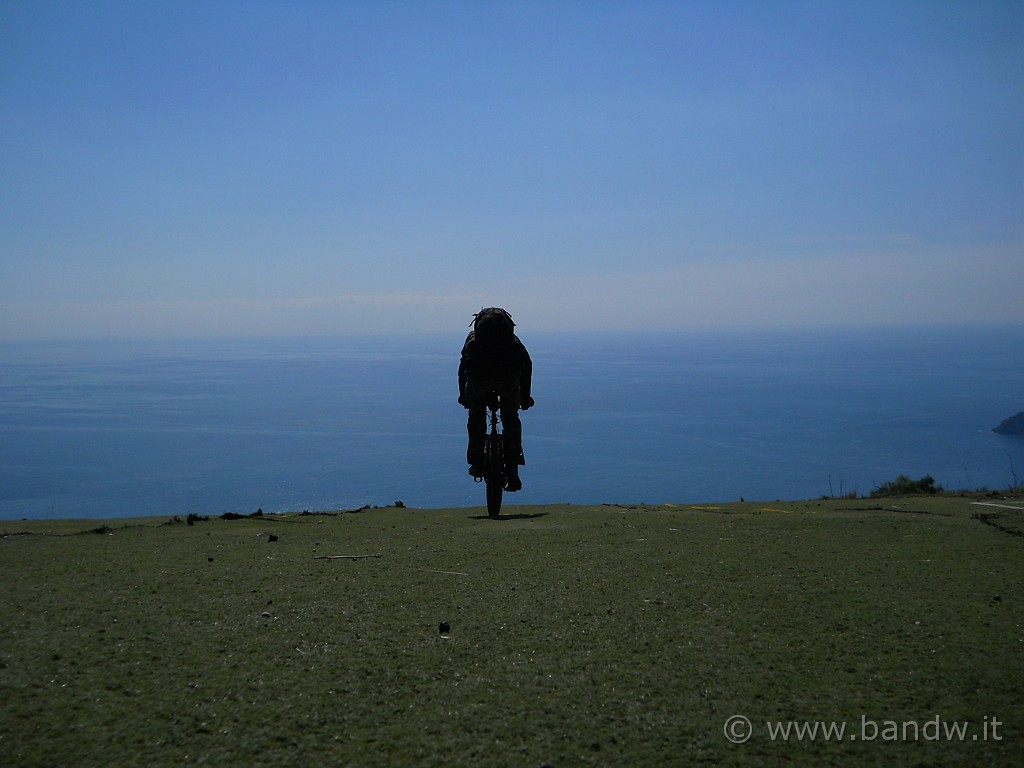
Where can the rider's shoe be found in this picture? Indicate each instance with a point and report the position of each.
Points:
(513, 483)
(476, 470)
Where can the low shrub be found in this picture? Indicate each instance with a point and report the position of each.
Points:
(905, 486)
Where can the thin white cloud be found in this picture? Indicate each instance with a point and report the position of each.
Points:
(309, 315)
(913, 286)
(933, 288)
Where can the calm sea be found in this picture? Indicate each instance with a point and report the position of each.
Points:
(91, 429)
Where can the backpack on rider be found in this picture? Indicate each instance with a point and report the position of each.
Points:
(493, 324)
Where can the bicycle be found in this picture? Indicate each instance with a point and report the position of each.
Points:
(494, 458)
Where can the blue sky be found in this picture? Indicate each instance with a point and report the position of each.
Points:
(271, 168)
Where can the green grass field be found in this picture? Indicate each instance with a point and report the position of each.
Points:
(576, 636)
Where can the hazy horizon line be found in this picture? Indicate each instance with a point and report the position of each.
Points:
(525, 330)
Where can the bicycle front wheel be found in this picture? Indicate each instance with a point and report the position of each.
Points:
(494, 492)
(495, 473)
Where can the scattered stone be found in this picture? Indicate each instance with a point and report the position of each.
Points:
(444, 628)
(271, 537)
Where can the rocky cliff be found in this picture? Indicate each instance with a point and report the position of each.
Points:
(1011, 426)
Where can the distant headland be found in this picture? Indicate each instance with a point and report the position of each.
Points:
(1011, 426)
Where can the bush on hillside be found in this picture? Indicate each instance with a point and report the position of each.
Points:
(904, 486)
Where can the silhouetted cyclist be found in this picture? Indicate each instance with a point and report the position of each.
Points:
(495, 360)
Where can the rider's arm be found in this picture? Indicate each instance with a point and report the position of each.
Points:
(526, 374)
(462, 379)
(464, 368)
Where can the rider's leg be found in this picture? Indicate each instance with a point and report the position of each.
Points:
(513, 429)
(476, 426)
(510, 421)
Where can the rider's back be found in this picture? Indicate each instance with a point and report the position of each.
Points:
(492, 346)
(493, 355)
